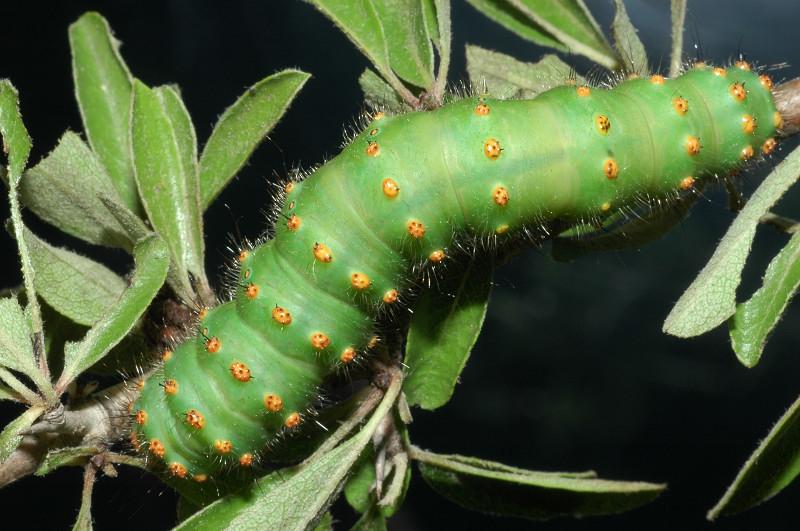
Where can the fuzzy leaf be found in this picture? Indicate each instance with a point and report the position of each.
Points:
(754, 320)
(711, 299)
(565, 25)
(152, 262)
(508, 78)
(167, 179)
(74, 285)
(63, 190)
(103, 90)
(773, 466)
(443, 329)
(499, 489)
(242, 127)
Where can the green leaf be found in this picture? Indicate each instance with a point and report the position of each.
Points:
(359, 20)
(132, 224)
(16, 142)
(407, 40)
(10, 439)
(498, 489)
(75, 286)
(63, 190)
(379, 95)
(16, 351)
(773, 466)
(711, 299)
(242, 128)
(508, 78)
(167, 179)
(565, 25)
(311, 487)
(69, 456)
(443, 329)
(103, 90)
(754, 320)
(152, 262)
(627, 42)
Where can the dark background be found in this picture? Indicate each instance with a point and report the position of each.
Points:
(571, 371)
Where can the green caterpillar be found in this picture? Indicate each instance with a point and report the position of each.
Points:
(402, 196)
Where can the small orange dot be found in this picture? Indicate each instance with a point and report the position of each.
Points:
(693, 145)
(681, 105)
(223, 446)
(289, 187)
(243, 255)
(359, 281)
(747, 153)
(605, 206)
(738, 92)
(292, 421)
(177, 470)
(390, 297)
(766, 81)
(348, 355)
(200, 478)
(322, 253)
(610, 169)
(373, 342)
(240, 371)
(699, 64)
(246, 460)
(373, 149)
(436, 256)
(500, 195)
(390, 188)
(482, 110)
(570, 81)
(140, 383)
(320, 341)
(720, 72)
(170, 386)
(251, 291)
(501, 229)
(415, 229)
(246, 273)
(273, 402)
(748, 124)
(633, 75)
(687, 183)
(492, 149)
(583, 91)
(202, 313)
(657, 79)
(213, 345)
(141, 417)
(769, 146)
(294, 222)
(291, 205)
(743, 65)
(378, 115)
(157, 448)
(281, 315)
(195, 419)
(166, 356)
(777, 119)
(602, 123)
(374, 132)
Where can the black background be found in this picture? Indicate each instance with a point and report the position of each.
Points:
(571, 371)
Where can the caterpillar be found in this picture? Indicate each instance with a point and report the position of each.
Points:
(401, 198)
